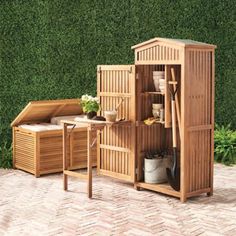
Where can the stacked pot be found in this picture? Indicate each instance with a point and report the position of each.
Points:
(156, 108)
(159, 80)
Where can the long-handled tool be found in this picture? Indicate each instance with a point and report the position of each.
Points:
(121, 101)
(176, 101)
(173, 173)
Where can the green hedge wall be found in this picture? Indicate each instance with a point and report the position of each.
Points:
(50, 48)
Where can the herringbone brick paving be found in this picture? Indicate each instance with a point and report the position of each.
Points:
(39, 206)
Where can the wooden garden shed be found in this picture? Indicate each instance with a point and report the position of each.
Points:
(121, 149)
(40, 152)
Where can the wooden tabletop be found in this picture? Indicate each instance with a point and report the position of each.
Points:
(87, 122)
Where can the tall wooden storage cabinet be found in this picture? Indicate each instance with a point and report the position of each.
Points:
(122, 149)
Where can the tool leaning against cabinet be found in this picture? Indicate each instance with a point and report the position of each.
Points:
(173, 173)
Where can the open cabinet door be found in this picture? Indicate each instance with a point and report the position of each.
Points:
(116, 144)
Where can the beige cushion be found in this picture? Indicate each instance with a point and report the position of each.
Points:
(41, 127)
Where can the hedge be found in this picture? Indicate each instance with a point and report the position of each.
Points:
(50, 48)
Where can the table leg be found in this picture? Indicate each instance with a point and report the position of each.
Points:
(89, 160)
(65, 178)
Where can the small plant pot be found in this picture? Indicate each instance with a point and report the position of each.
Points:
(91, 114)
(156, 113)
(157, 75)
(157, 106)
(111, 116)
(162, 85)
(156, 84)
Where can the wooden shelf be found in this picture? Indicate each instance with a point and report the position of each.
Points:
(152, 93)
(164, 188)
(78, 121)
(119, 123)
(141, 123)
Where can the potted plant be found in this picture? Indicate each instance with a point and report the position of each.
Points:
(90, 105)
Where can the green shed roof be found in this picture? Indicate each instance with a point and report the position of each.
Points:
(180, 42)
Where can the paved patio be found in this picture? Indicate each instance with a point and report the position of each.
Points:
(30, 206)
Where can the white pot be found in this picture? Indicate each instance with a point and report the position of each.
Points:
(156, 84)
(156, 113)
(110, 116)
(157, 76)
(155, 170)
(157, 106)
(162, 84)
(162, 81)
(158, 73)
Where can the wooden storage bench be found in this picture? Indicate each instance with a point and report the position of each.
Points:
(40, 152)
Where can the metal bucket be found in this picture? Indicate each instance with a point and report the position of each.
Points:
(155, 170)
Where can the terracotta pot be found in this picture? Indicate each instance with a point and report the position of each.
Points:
(91, 114)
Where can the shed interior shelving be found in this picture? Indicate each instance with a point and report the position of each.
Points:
(156, 137)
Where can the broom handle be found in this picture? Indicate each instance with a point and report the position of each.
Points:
(122, 99)
(173, 123)
(176, 101)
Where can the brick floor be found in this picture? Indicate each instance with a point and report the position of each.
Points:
(30, 206)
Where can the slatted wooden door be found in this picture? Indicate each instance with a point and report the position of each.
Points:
(116, 148)
(199, 121)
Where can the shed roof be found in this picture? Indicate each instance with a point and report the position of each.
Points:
(180, 42)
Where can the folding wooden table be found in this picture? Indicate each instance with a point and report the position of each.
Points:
(92, 126)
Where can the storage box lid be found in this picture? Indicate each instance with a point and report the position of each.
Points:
(43, 111)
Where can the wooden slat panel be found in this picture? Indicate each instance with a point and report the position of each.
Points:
(51, 151)
(24, 151)
(157, 53)
(49, 158)
(198, 121)
(116, 155)
(198, 160)
(200, 96)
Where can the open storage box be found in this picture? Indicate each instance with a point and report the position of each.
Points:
(40, 152)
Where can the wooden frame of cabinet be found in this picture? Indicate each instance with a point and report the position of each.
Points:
(121, 153)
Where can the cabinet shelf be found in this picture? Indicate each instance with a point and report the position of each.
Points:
(152, 93)
(141, 123)
(164, 188)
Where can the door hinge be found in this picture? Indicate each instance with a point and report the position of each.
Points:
(137, 77)
(136, 171)
(136, 123)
